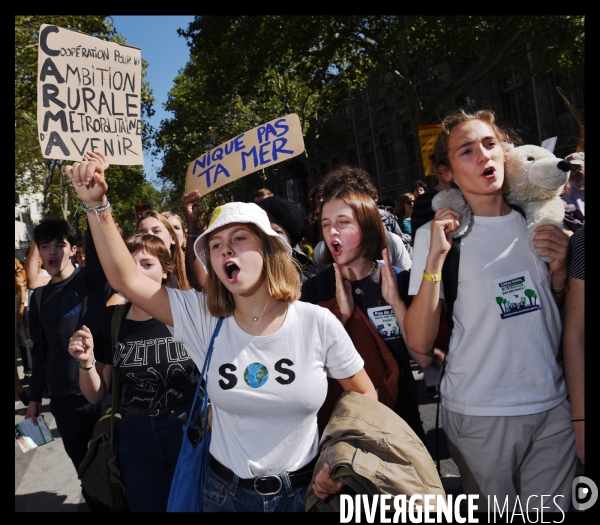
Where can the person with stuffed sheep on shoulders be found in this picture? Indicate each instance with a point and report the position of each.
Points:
(503, 393)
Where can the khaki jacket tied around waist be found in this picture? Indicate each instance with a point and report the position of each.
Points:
(373, 451)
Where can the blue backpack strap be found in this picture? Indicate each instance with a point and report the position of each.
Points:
(197, 398)
(396, 269)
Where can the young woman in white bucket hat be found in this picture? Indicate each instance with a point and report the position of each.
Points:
(268, 373)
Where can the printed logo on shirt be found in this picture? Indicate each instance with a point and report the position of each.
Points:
(515, 295)
(256, 374)
(156, 387)
(148, 351)
(384, 321)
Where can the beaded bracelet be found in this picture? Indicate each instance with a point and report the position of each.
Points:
(192, 234)
(96, 209)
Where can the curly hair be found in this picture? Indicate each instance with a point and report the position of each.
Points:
(356, 178)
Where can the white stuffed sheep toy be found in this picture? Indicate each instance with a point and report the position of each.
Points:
(533, 180)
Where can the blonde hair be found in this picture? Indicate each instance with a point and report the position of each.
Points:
(279, 270)
(176, 252)
(168, 214)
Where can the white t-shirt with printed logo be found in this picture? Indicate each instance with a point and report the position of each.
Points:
(265, 390)
(502, 356)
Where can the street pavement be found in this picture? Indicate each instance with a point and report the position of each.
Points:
(46, 481)
(45, 478)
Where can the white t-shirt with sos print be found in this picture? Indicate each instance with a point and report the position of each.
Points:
(265, 390)
(507, 328)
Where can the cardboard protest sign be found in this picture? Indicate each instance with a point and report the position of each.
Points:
(428, 134)
(263, 146)
(89, 97)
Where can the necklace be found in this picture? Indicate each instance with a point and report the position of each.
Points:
(361, 291)
(255, 319)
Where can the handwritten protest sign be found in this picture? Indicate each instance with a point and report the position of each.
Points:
(428, 134)
(263, 146)
(89, 97)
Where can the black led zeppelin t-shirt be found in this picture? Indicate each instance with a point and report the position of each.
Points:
(154, 370)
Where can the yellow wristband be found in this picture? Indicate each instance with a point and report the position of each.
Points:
(433, 277)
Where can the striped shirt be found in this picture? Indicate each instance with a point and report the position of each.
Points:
(576, 254)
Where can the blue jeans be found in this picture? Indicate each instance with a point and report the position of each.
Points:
(220, 496)
(148, 452)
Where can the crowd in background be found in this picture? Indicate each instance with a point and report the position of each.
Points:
(351, 254)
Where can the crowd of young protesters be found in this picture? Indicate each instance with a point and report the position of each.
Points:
(513, 418)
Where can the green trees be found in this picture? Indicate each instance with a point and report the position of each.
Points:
(33, 173)
(245, 70)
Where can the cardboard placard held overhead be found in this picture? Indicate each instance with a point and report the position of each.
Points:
(89, 97)
(268, 144)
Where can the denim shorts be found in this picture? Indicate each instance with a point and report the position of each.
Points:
(221, 496)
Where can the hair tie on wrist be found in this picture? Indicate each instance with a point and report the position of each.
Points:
(581, 419)
(88, 367)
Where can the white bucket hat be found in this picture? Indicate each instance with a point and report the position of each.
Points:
(244, 212)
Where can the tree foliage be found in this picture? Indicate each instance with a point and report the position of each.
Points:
(33, 173)
(244, 70)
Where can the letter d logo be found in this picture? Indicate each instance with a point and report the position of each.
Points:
(584, 493)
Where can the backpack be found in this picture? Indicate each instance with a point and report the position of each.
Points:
(391, 225)
(99, 472)
(450, 281)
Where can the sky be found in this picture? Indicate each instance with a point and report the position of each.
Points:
(166, 53)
